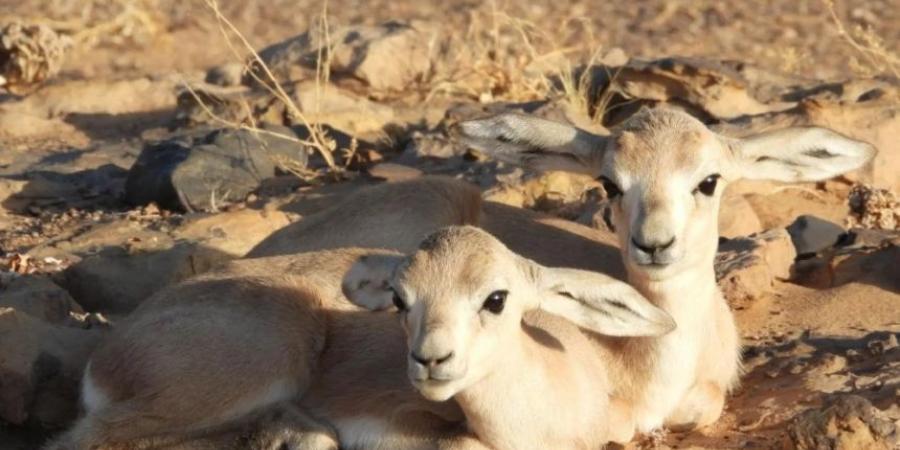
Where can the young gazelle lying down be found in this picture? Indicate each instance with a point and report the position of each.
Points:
(540, 383)
(270, 346)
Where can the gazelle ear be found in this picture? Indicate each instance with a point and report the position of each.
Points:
(599, 303)
(535, 143)
(799, 154)
(368, 282)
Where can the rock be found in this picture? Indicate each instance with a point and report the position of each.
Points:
(845, 422)
(874, 208)
(220, 169)
(811, 234)
(389, 56)
(394, 172)
(748, 266)
(225, 75)
(40, 374)
(114, 281)
(737, 217)
(327, 104)
(40, 298)
(233, 233)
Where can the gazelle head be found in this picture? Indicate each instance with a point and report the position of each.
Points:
(462, 296)
(664, 172)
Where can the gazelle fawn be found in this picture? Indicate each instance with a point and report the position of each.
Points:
(537, 383)
(664, 172)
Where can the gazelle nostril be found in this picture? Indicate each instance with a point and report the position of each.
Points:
(444, 359)
(418, 359)
(641, 247)
(652, 248)
(667, 244)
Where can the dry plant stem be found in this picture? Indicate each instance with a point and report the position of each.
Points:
(320, 140)
(887, 61)
(283, 163)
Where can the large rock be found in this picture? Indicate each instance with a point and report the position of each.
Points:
(40, 368)
(40, 298)
(737, 217)
(747, 267)
(116, 281)
(210, 173)
(234, 232)
(389, 56)
(845, 422)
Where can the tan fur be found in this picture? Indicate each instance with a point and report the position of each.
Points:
(351, 372)
(533, 385)
(658, 159)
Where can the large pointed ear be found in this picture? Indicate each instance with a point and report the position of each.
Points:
(368, 282)
(600, 303)
(538, 144)
(799, 154)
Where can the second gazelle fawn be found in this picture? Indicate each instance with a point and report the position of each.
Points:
(664, 172)
(535, 383)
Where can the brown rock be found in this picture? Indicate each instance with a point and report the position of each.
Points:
(748, 266)
(340, 109)
(40, 374)
(40, 298)
(845, 422)
(233, 233)
(389, 56)
(115, 281)
(737, 217)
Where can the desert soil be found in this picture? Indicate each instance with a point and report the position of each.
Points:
(75, 255)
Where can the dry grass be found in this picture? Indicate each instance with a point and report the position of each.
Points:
(92, 22)
(500, 57)
(319, 140)
(874, 57)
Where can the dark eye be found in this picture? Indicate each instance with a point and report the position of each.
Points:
(398, 301)
(495, 302)
(708, 185)
(612, 190)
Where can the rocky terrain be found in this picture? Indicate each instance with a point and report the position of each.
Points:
(145, 141)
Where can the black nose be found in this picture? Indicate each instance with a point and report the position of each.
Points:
(431, 362)
(652, 248)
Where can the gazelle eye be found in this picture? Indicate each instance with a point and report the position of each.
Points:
(612, 190)
(708, 185)
(495, 302)
(398, 301)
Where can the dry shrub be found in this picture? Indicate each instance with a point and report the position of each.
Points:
(874, 57)
(319, 140)
(29, 54)
(503, 58)
(93, 22)
(873, 208)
